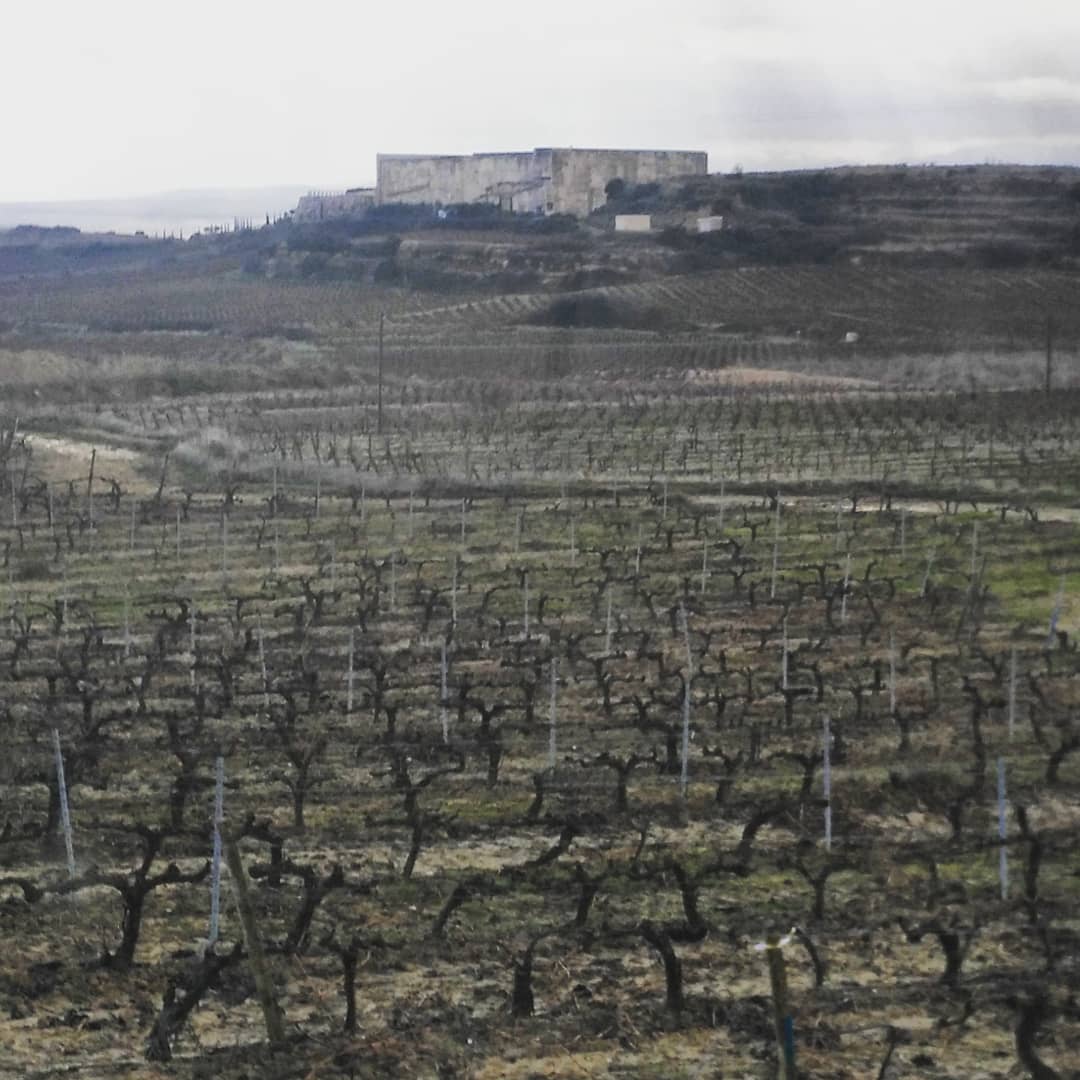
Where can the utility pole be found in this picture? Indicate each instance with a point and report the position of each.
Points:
(382, 319)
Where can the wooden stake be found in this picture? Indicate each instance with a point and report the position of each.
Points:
(264, 987)
(783, 1021)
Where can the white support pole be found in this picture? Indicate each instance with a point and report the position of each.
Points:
(892, 674)
(1055, 615)
(65, 813)
(844, 593)
(194, 642)
(1012, 693)
(453, 595)
(784, 657)
(127, 621)
(1003, 855)
(526, 591)
(215, 863)
(552, 744)
(684, 766)
(775, 550)
(826, 776)
(443, 691)
(350, 675)
(607, 626)
(926, 575)
(262, 666)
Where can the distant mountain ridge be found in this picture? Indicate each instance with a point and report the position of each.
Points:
(169, 212)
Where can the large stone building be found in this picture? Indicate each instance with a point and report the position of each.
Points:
(317, 205)
(546, 180)
(543, 181)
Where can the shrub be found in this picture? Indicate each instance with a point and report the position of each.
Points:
(388, 272)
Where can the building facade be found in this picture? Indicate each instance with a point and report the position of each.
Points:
(546, 180)
(319, 205)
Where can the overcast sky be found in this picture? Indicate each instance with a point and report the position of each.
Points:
(123, 97)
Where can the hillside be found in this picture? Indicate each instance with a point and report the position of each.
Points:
(952, 274)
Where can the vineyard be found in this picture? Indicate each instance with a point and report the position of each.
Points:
(121, 336)
(615, 724)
